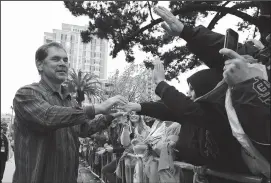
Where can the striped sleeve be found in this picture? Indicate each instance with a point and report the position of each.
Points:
(30, 106)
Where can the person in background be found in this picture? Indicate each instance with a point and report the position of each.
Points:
(191, 144)
(4, 150)
(100, 140)
(134, 128)
(48, 122)
(114, 134)
(195, 144)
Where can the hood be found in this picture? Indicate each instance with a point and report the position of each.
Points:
(204, 81)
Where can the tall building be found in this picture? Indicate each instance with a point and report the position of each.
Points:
(90, 57)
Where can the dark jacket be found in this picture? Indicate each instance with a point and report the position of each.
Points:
(248, 109)
(210, 112)
(206, 45)
(205, 114)
(4, 155)
(114, 139)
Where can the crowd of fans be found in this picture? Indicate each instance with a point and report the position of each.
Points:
(223, 122)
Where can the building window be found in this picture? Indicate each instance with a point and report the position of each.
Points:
(88, 54)
(97, 48)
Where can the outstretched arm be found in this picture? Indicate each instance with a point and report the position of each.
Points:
(153, 109)
(202, 42)
(38, 114)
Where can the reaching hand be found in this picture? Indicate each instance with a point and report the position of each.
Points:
(117, 114)
(258, 44)
(158, 72)
(173, 27)
(129, 107)
(236, 69)
(105, 106)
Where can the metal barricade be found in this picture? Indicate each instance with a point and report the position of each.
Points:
(142, 178)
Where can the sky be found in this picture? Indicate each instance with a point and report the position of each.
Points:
(23, 24)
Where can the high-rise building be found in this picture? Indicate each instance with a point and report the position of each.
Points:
(90, 57)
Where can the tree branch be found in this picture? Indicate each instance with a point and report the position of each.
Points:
(183, 10)
(218, 16)
(255, 29)
(149, 6)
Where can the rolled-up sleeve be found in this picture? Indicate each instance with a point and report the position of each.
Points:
(35, 111)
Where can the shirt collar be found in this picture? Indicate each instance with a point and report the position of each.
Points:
(64, 90)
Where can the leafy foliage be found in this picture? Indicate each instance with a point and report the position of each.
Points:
(83, 84)
(130, 23)
(132, 84)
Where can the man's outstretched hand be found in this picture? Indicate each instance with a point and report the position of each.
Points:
(173, 26)
(104, 107)
(117, 114)
(129, 107)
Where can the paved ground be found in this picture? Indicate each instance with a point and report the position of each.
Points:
(9, 170)
(84, 174)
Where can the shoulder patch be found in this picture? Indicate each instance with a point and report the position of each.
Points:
(262, 87)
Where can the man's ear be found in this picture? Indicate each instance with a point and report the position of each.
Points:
(39, 65)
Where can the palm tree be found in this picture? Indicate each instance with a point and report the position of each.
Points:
(83, 84)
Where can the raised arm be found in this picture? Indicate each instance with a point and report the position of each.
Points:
(186, 110)
(202, 42)
(38, 114)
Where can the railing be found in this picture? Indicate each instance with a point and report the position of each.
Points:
(242, 178)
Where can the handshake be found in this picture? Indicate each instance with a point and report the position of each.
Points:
(116, 106)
